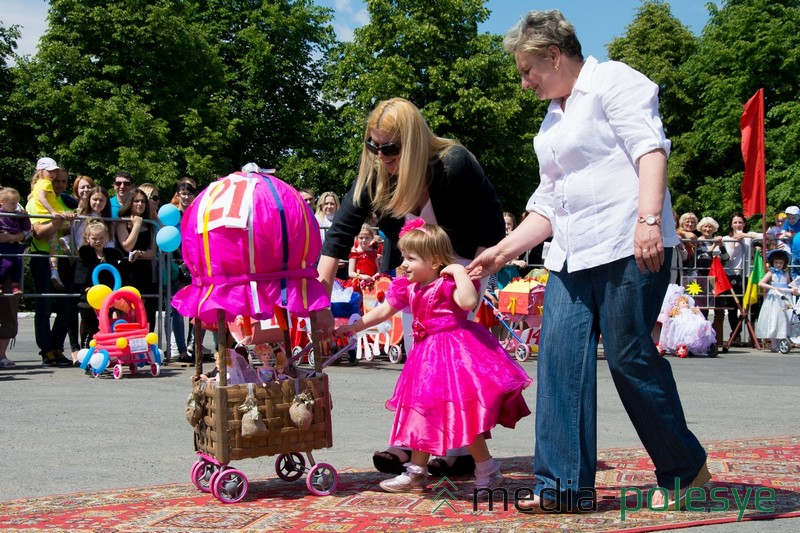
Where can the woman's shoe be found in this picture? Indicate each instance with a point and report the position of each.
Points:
(702, 477)
(537, 505)
(463, 465)
(388, 463)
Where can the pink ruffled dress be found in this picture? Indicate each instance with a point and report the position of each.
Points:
(251, 244)
(457, 382)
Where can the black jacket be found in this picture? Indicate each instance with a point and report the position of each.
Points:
(463, 200)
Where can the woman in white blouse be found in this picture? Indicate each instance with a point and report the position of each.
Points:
(602, 195)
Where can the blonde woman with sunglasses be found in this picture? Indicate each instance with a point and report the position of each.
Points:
(407, 172)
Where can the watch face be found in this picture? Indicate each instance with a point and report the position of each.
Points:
(650, 220)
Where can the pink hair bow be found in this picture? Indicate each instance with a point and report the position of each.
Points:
(416, 223)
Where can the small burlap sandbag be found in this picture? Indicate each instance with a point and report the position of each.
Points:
(252, 425)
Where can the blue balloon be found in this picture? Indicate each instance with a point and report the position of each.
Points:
(169, 215)
(110, 268)
(168, 238)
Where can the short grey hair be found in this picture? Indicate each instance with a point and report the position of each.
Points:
(538, 30)
(706, 221)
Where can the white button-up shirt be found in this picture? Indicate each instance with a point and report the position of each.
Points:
(588, 158)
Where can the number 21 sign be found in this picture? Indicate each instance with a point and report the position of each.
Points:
(228, 203)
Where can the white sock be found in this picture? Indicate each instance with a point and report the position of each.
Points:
(411, 468)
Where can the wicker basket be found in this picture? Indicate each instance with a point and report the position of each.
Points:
(219, 432)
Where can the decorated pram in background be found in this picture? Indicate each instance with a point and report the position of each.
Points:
(251, 243)
(385, 338)
(519, 310)
(684, 329)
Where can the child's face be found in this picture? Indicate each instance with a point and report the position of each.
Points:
(364, 239)
(97, 202)
(509, 224)
(97, 239)
(419, 269)
(778, 263)
(9, 205)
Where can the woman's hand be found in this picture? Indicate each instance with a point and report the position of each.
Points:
(137, 221)
(648, 248)
(453, 270)
(346, 331)
(488, 262)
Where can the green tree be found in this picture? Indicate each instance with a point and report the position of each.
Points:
(132, 85)
(746, 45)
(10, 167)
(468, 89)
(175, 87)
(273, 53)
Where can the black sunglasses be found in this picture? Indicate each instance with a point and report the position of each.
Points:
(155, 197)
(388, 149)
(122, 183)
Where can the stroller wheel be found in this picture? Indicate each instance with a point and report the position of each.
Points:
(713, 350)
(785, 345)
(395, 354)
(682, 351)
(522, 352)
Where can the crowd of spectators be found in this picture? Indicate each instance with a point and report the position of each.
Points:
(66, 233)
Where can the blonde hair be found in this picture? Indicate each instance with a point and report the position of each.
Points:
(400, 119)
(429, 242)
(321, 200)
(95, 224)
(9, 193)
(148, 189)
(684, 217)
(675, 311)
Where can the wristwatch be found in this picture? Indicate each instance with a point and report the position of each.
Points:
(650, 220)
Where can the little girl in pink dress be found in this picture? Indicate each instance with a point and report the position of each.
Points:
(458, 383)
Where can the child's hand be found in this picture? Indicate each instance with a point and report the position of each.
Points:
(453, 270)
(345, 332)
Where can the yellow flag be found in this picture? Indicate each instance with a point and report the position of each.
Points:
(751, 294)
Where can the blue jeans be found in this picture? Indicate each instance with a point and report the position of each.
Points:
(621, 303)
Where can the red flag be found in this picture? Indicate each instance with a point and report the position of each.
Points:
(754, 188)
(721, 281)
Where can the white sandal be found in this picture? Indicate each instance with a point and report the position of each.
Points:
(7, 363)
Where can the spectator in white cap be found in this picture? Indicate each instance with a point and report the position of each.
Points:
(792, 224)
(44, 200)
(43, 266)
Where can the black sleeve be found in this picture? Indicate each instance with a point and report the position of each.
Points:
(465, 203)
(346, 224)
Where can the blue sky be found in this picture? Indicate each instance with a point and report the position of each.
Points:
(597, 22)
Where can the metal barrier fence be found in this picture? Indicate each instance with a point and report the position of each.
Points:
(72, 255)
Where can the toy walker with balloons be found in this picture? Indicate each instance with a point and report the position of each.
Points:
(124, 341)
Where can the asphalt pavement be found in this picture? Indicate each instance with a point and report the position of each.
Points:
(64, 432)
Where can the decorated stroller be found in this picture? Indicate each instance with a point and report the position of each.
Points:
(793, 303)
(383, 339)
(684, 330)
(519, 310)
(236, 243)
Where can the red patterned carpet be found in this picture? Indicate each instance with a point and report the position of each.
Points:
(766, 466)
